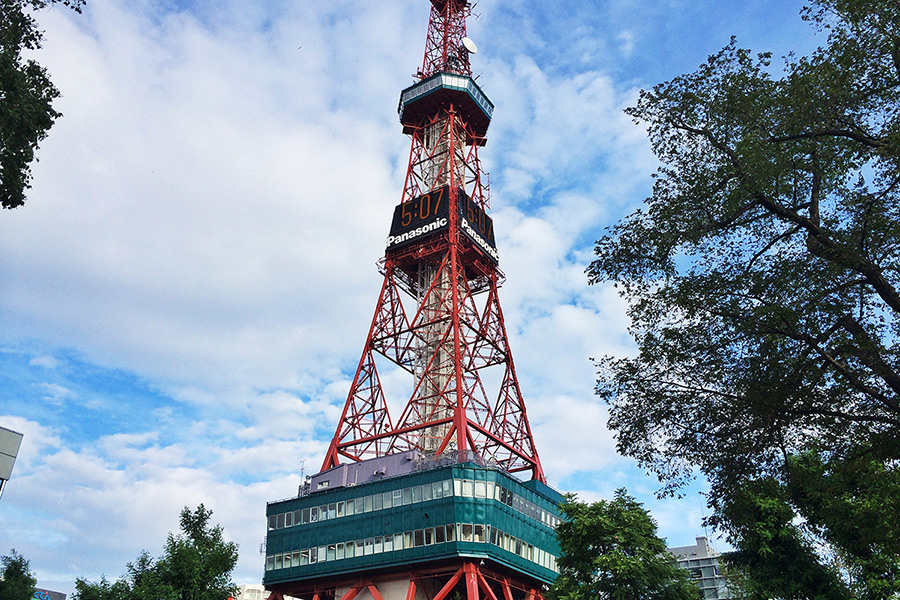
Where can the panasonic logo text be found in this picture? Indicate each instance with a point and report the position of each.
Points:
(418, 231)
(480, 240)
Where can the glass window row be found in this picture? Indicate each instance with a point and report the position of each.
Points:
(465, 532)
(464, 488)
(389, 499)
(468, 488)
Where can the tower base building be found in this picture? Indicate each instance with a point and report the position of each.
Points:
(413, 527)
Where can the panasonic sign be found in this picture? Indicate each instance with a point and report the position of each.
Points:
(412, 234)
(482, 243)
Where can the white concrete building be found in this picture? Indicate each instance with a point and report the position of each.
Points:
(254, 592)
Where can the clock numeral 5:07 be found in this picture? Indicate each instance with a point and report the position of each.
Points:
(421, 208)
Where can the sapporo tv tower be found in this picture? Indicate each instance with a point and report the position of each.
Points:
(450, 497)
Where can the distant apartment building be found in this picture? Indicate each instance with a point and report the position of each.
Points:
(702, 561)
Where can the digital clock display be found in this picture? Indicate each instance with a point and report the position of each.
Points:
(429, 214)
(420, 218)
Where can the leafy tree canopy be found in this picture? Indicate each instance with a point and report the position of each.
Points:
(17, 581)
(610, 550)
(763, 280)
(26, 96)
(195, 565)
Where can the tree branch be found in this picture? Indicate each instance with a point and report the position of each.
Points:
(818, 242)
(869, 353)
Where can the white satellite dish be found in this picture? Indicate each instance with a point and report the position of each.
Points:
(469, 45)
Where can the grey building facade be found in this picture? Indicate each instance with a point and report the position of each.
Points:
(702, 561)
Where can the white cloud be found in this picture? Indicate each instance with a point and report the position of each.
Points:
(48, 362)
(57, 394)
(626, 39)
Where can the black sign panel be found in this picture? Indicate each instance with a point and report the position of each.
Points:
(420, 218)
(477, 225)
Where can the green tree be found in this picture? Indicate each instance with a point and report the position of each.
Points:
(195, 565)
(777, 560)
(763, 280)
(610, 550)
(198, 563)
(17, 581)
(102, 590)
(26, 96)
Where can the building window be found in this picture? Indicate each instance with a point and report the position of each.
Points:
(478, 533)
(465, 532)
(480, 489)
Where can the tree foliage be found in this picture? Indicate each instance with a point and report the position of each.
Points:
(775, 557)
(17, 581)
(195, 565)
(610, 551)
(26, 96)
(763, 279)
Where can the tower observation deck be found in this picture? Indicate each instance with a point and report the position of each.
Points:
(450, 496)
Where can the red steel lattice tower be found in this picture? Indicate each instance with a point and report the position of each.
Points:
(438, 314)
(448, 497)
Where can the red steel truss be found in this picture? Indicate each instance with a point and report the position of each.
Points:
(443, 43)
(438, 315)
(479, 583)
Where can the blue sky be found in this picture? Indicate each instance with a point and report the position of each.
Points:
(187, 291)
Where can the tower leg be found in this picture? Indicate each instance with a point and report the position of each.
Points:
(488, 592)
(471, 581)
(448, 587)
